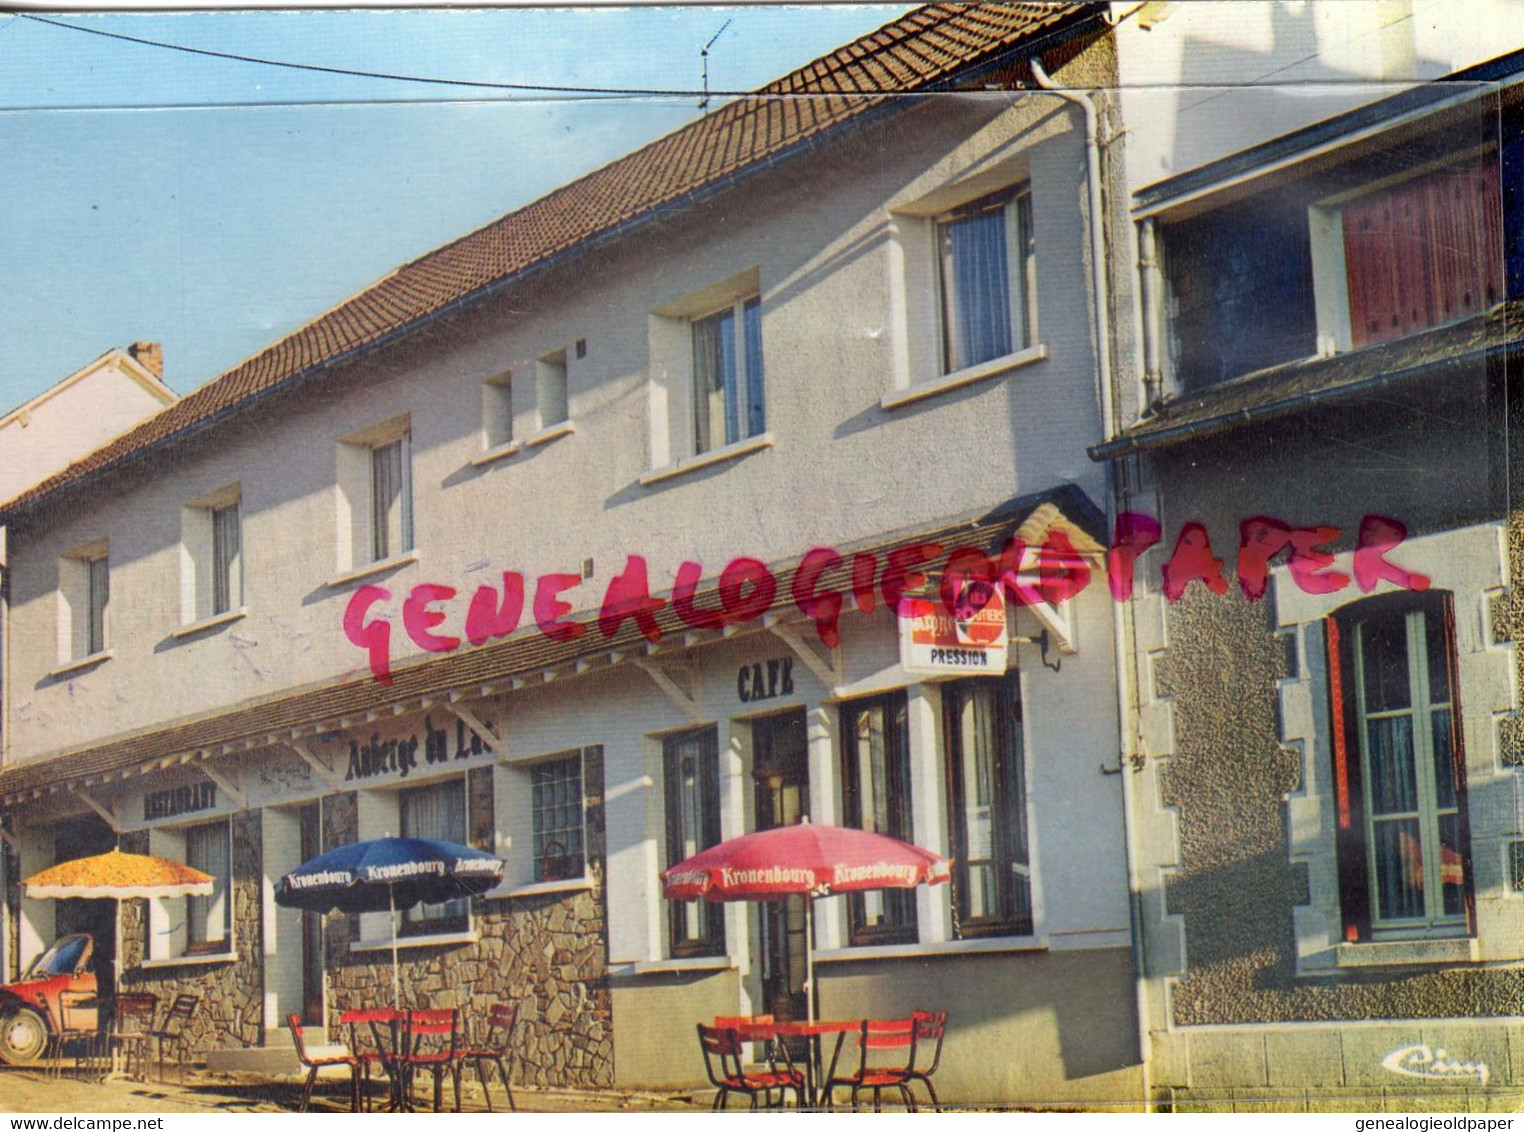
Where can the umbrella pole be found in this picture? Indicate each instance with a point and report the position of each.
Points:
(391, 898)
(809, 958)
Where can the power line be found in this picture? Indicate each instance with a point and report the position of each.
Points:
(542, 88)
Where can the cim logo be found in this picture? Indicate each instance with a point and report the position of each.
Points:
(1434, 1065)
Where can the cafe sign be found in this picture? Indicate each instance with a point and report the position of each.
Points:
(969, 640)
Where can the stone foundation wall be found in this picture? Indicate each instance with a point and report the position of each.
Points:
(548, 953)
(231, 1010)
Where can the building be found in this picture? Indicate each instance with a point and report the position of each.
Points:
(777, 366)
(80, 413)
(1327, 363)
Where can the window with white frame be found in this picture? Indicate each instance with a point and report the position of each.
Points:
(375, 482)
(551, 399)
(557, 814)
(707, 389)
(84, 592)
(497, 411)
(727, 375)
(391, 498)
(211, 542)
(209, 919)
(986, 279)
(1399, 777)
(987, 818)
(436, 812)
(690, 767)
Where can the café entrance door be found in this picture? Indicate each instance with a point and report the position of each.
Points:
(780, 772)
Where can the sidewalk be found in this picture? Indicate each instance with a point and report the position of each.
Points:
(31, 1090)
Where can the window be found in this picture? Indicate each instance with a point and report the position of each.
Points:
(727, 375)
(209, 919)
(211, 555)
(1399, 779)
(992, 891)
(550, 395)
(986, 275)
(84, 593)
(227, 559)
(876, 775)
(556, 798)
(391, 498)
(437, 812)
(691, 772)
(497, 411)
(1424, 252)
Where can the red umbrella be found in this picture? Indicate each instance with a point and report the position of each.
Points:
(808, 860)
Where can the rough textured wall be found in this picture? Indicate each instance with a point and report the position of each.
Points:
(231, 1010)
(548, 953)
(1235, 886)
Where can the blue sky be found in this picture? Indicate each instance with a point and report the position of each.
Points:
(215, 205)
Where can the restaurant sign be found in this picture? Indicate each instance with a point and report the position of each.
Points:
(971, 638)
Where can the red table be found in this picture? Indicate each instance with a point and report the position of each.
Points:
(816, 1078)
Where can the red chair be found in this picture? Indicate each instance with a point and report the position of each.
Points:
(377, 1051)
(885, 1060)
(433, 1044)
(496, 1049)
(930, 1028)
(722, 1061)
(323, 1057)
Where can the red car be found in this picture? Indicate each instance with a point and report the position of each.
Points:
(31, 1009)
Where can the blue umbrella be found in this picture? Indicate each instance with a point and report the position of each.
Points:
(386, 874)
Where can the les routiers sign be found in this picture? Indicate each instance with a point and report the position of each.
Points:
(971, 638)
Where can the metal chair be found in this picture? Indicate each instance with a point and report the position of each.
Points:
(873, 1040)
(722, 1062)
(930, 1028)
(173, 1030)
(131, 1026)
(441, 1028)
(319, 1058)
(379, 1054)
(78, 1021)
(496, 1049)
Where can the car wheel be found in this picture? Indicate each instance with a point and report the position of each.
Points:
(23, 1036)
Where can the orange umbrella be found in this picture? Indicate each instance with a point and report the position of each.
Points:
(117, 875)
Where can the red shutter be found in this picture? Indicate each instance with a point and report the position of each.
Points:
(1465, 240)
(1349, 832)
(1458, 755)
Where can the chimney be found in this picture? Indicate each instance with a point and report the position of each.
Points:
(149, 355)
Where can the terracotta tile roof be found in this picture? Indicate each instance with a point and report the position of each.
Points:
(924, 50)
(526, 653)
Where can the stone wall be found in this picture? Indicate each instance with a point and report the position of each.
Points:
(548, 953)
(231, 1010)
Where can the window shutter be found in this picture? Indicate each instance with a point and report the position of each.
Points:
(1458, 754)
(1349, 832)
(1386, 263)
(1464, 215)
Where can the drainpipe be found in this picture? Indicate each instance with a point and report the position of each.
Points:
(1106, 385)
(1150, 280)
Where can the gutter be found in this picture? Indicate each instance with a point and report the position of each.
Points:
(1106, 385)
(1223, 422)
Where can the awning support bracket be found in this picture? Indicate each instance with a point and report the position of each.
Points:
(685, 699)
(494, 742)
(830, 669)
(226, 785)
(322, 769)
(105, 812)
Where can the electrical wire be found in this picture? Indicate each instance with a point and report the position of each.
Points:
(541, 88)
